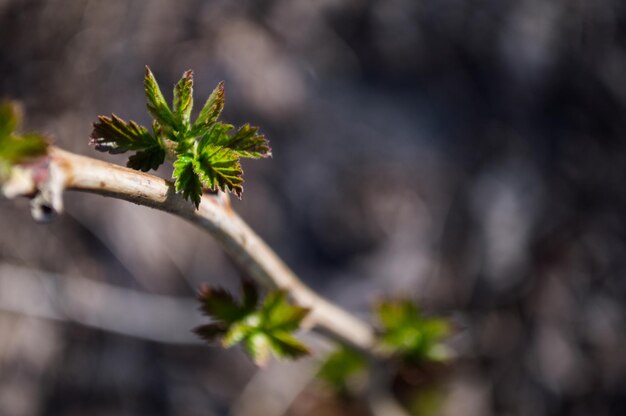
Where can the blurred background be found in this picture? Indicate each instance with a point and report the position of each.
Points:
(469, 154)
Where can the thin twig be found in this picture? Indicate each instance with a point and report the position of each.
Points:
(68, 171)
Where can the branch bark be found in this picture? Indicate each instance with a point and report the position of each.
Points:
(67, 171)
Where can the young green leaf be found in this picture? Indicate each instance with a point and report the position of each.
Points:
(278, 319)
(183, 98)
(216, 135)
(114, 135)
(261, 329)
(219, 168)
(246, 142)
(221, 305)
(157, 106)
(230, 316)
(413, 336)
(186, 180)
(284, 345)
(279, 315)
(210, 112)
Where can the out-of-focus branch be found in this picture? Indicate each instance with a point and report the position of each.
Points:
(98, 305)
(63, 170)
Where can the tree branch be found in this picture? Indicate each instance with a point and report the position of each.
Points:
(63, 170)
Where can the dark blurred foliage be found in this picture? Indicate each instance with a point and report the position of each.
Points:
(467, 153)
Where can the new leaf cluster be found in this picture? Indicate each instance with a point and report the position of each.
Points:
(341, 368)
(16, 148)
(262, 327)
(411, 335)
(205, 152)
(403, 332)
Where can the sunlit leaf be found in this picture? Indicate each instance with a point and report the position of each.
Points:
(183, 98)
(210, 112)
(219, 169)
(115, 135)
(186, 180)
(217, 136)
(246, 142)
(157, 106)
(278, 314)
(284, 345)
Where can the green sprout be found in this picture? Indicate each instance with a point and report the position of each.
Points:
(405, 331)
(261, 327)
(205, 153)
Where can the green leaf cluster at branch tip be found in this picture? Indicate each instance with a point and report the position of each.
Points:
(16, 148)
(262, 327)
(206, 153)
(409, 334)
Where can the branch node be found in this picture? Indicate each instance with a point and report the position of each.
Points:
(50, 181)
